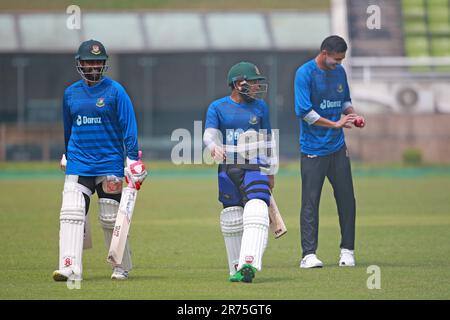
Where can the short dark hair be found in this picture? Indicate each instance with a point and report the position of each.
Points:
(334, 44)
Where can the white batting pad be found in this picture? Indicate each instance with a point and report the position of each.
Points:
(108, 209)
(254, 238)
(231, 223)
(107, 213)
(71, 232)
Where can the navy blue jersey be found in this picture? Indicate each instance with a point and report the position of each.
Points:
(327, 93)
(233, 118)
(99, 128)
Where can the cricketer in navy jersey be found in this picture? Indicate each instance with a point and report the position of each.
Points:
(100, 134)
(99, 128)
(232, 119)
(324, 108)
(244, 188)
(324, 93)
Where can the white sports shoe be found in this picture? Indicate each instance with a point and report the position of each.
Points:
(119, 274)
(66, 273)
(347, 258)
(311, 261)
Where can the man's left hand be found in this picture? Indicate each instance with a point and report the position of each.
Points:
(135, 173)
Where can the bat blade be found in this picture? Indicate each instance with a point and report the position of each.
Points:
(122, 226)
(277, 226)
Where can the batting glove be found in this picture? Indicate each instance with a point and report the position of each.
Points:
(135, 173)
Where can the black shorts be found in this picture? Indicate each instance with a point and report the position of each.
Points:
(92, 184)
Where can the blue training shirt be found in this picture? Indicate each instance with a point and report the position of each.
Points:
(233, 118)
(99, 128)
(327, 93)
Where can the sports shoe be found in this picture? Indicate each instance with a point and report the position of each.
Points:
(119, 274)
(311, 261)
(64, 274)
(245, 274)
(347, 258)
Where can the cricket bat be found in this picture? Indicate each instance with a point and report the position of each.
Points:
(277, 226)
(122, 226)
(123, 219)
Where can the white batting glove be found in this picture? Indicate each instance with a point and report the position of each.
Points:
(63, 162)
(135, 173)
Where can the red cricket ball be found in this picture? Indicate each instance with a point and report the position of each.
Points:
(359, 122)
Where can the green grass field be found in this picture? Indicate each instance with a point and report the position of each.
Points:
(403, 226)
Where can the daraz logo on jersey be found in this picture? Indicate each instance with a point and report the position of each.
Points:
(88, 120)
(326, 104)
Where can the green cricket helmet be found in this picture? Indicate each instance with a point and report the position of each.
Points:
(91, 50)
(242, 72)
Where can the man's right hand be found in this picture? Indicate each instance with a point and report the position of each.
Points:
(218, 153)
(346, 121)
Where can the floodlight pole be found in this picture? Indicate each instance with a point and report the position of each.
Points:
(147, 63)
(272, 62)
(20, 63)
(211, 63)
